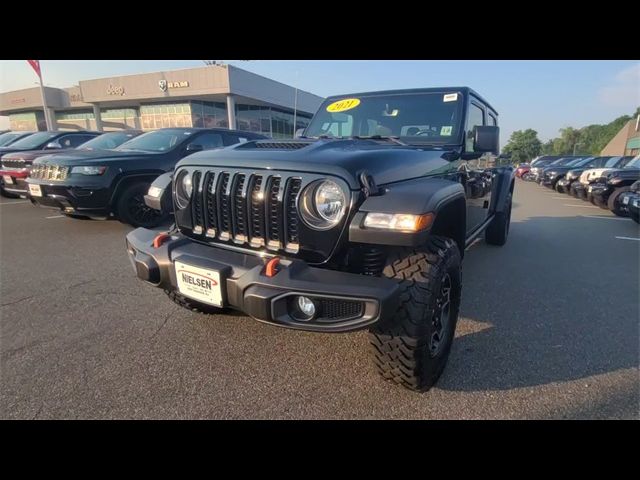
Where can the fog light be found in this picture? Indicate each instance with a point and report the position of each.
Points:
(306, 308)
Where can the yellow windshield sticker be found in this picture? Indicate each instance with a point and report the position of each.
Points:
(343, 105)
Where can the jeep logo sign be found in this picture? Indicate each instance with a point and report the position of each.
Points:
(164, 85)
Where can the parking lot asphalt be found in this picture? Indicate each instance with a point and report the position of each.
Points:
(549, 328)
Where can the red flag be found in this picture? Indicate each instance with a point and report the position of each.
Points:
(35, 64)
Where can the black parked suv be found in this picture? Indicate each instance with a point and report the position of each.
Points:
(563, 183)
(51, 140)
(362, 222)
(99, 184)
(16, 166)
(606, 191)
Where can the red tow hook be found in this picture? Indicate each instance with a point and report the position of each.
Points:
(160, 239)
(272, 267)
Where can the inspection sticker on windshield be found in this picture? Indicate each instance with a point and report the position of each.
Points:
(343, 105)
(450, 97)
(446, 131)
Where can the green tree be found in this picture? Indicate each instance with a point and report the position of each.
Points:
(523, 145)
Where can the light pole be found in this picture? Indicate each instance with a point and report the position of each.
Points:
(574, 147)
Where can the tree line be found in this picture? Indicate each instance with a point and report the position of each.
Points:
(524, 145)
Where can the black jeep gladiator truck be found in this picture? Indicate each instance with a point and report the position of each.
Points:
(361, 222)
(104, 183)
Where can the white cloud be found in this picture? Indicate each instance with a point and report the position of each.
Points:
(625, 89)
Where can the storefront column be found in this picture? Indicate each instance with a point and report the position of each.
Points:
(98, 117)
(231, 111)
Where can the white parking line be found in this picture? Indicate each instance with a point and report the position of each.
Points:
(56, 216)
(608, 218)
(629, 238)
(581, 206)
(13, 203)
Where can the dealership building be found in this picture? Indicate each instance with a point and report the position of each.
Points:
(210, 96)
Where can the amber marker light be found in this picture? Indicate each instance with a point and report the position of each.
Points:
(402, 222)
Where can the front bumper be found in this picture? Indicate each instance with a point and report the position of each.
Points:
(14, 181)
(246, 287)
(599, 194)
(580, 189)
(563, 185)
(85, 200)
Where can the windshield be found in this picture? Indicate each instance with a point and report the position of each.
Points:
(612, 161)
(574, 162)
(417, 118)
(634, 163)
(9, 137)
(156, 141)
(33, 141)
(107, 141)
(582, 161)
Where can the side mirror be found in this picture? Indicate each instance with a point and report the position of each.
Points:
(158, 196)
(299, 133)
(194, 147)
(53, 146)
(486, 139)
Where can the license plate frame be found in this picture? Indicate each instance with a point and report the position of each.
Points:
(203, 284)
(35, 190)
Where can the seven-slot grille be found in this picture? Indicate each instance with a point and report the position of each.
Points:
(49, 172)
(246, 208)
(13, 163)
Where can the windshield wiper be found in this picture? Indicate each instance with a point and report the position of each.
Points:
(379, 137)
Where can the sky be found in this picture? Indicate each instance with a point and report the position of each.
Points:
(545, 95)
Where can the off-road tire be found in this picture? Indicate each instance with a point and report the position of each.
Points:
(192, 305)
(498, 230)
(135, 193)
(402, 345)
(614, 204)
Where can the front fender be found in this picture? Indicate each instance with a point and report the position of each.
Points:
(423, 195)
(504, 178)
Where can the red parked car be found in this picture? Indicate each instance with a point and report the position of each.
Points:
(522, 169)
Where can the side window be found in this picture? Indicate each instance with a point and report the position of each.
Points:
(209, 140)
(475, 117)
(72, 141)
(493, 121)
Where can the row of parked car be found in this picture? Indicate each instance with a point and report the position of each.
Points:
(609, 182)
(89, 174)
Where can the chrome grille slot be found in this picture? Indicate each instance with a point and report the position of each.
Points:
(273, 217)
(292, 243)
(210, 210)
(239, 212)
(224, 210)
(256, 210)
(196, 204)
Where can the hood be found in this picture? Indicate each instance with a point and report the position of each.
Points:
(87, 157)
(387, 162)
(28, 156)
(623, 173)
(593, 173)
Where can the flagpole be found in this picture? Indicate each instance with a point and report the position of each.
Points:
(295, 107)
(47, 119)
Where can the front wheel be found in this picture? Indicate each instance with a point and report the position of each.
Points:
(131, 209)
(412, 347)
(614, 201)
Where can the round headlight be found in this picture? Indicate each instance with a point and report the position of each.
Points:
(187, 185)
(184, 188)
(323, 204)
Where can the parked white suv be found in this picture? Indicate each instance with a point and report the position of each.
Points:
(593, 173)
